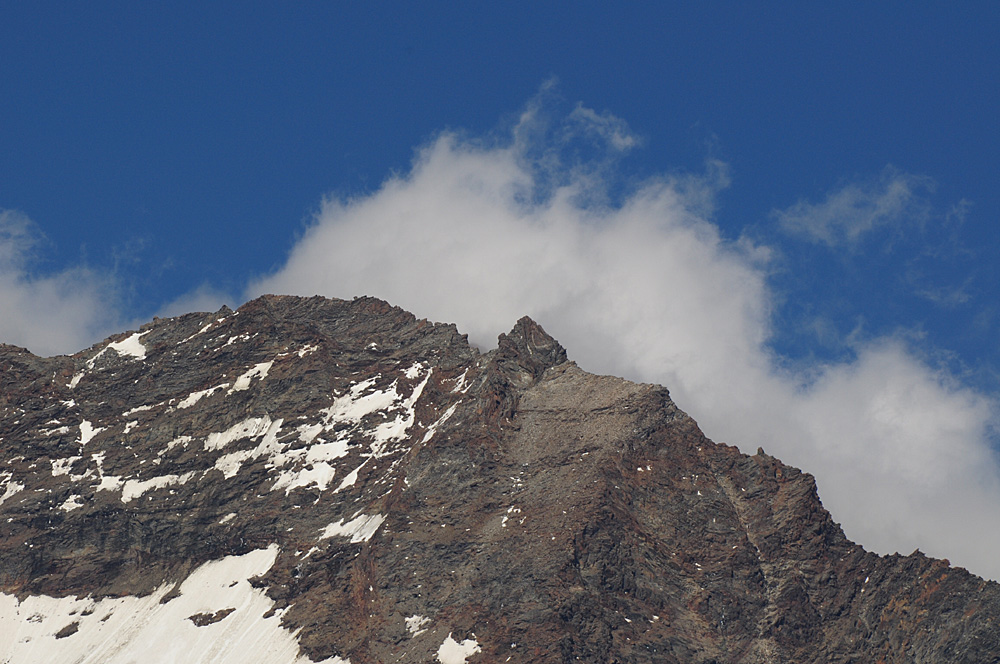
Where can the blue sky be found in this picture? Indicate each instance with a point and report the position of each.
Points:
(187, 146)
(832, 168)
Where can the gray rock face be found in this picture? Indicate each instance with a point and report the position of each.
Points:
(423, 497)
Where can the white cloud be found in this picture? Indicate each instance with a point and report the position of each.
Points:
(60, 312)
(848, 214)
(483, 234)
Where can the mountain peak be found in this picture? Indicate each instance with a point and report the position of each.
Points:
(338, 481)
(529, 348)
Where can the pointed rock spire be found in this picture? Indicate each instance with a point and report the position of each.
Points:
(528, 348)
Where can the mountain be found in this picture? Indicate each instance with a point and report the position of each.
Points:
(338, 481)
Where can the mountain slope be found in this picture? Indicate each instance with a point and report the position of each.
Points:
(341, 477)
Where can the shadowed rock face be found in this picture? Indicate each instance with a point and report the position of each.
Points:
(422, 494)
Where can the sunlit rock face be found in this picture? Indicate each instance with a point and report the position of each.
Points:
(338, 481)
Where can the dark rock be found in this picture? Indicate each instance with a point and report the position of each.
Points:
(202, 619)
(556, 515)
(68, 630)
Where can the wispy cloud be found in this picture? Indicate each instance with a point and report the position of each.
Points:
(947, 296)
(845, 216)
(51, 313)
(605, 126)
(941, 269)
(482, 233)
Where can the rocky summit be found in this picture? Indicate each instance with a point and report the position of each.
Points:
(315, 480)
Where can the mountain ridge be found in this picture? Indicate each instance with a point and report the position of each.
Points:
(418, 498)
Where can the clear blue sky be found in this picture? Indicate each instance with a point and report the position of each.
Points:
(182, 145)
(161, 150)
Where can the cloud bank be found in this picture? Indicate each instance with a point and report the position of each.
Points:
(637, 281)
(60, 312)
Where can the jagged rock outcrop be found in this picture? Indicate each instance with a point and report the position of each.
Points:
(368, 483)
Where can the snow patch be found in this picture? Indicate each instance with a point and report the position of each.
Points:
(453, 652)
(307, 350)
(308, 432)
(12, 487)
(230, 464)
(123, 630)
(318, 474)
(351, 478)
(258, 371)
(181, 440)
(72, 503)
(361, 401)
(108, 482)
(87, 432)
(314, 470)
(130, 346)
(195, 397)
(415, 624)
(248, 428)
(396, 429)
(135, 488)
(311, 466)
(460, 384)
(327, 451)
(359, 529)
(137, 409)
(352, 407)
(62, 466)
(240, 337)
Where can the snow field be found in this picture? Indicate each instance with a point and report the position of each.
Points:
(140, 629)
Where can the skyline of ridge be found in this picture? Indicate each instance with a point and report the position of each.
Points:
(784, 214)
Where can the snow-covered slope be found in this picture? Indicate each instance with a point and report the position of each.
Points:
(214, 617)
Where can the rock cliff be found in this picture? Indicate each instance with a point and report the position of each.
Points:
(323, 480)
